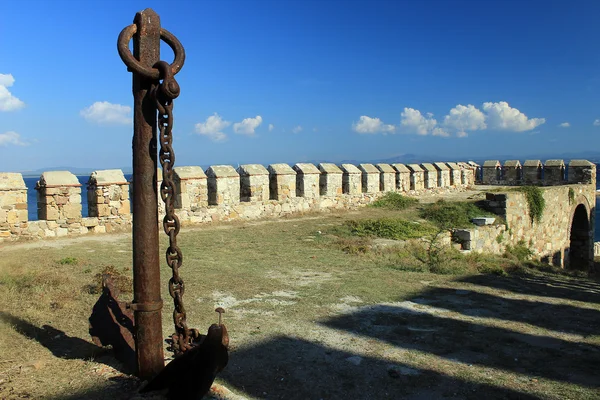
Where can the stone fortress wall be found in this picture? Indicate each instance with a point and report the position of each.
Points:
(221, 193)
(224, 193)
(566, 229)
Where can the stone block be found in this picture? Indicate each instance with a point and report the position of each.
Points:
(307, 180)
(417, 177)
(512, 172)
(223, 185)
(387, 177)
(351, 179)
(402, 177)
(254, 181)
(370, 178)
(443, 174)
(11, 181)
(330, 180)
(455, 169)
(554, 172)
(581, 171)
(492, 172)
(532, 172)
(282, 182)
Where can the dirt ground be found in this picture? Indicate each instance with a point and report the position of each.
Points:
(306, 320)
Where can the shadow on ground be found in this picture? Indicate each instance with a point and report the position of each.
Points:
(289, 368)
(542, 285)
(62, 345)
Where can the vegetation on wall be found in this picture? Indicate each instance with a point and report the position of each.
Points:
(571, 196)
(535, 201)
(451, 214)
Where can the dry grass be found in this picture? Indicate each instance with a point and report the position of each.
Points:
(309, 318)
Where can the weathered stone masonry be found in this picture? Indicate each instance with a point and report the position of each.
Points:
(567, 223)
(219, 193)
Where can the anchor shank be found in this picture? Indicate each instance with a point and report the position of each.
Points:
(146, 267)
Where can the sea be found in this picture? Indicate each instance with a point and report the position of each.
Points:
(32, 199)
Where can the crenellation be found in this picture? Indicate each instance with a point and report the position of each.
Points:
(330, 181)
(282, 182)
(417, 177)
(492, 172)
(512, 172)
(59, 196)
(581, 171)
(430, 178)
(307, 180)
(455, 172)
(351, 179)
(223, 185)
(191, 185)
(370, 178)
(402, 177)
(532, 172)
(443, 173)
(387, 177)
(554, 173)
(254, 181)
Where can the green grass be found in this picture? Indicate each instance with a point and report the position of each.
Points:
(452, 214)
(395, 201)
(389, 228)
(282, 282)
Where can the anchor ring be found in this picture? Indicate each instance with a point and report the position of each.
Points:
(134, 65)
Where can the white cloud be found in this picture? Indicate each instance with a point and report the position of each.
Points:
(11, 137)
(415, 122)
(463, 119)
(8, 102)
(271, 127)
(247, 126)
(103, 112)
(565, 125)
(503, 117)
(297, 129)
(597, 122)
(213, 127)
(371, 125)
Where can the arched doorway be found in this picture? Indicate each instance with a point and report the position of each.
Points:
(580, 242)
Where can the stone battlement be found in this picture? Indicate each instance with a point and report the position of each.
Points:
(222, 192)
(533, 172)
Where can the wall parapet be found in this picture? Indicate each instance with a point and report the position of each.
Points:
(534, 172)
(222, 192)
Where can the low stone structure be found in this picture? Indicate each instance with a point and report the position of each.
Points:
(512, 172)
(282, 182)
(402, 177)
(223, 185)
(13, 205)
(387, 177)
(417, 177)
(554, 172)
(254, 182)
(351, 179)
(455, 172)
(443, 173)
(430, 177)
(532, 172)
(492, 172)
(330, 181)
(370, 178)
(307, 180)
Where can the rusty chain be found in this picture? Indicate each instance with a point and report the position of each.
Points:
(164, 93)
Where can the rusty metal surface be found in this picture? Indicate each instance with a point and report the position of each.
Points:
(111, 324)
(146, 272)
(191, 374)
(164, 94)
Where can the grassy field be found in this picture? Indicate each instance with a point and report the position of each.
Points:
(316, 310)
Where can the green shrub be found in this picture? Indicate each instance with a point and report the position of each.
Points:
(394, 201)
(535, 201)
(520, 252)
(571, 196)
(451, 214)
(389, 228)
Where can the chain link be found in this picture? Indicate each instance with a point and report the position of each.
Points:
(164, 93)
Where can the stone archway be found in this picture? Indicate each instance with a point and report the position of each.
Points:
(579, 240)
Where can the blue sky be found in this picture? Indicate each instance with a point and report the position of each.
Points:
(290, 81)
